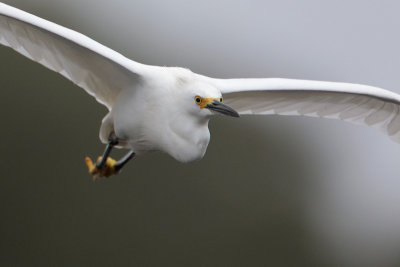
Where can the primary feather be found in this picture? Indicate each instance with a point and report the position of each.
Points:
(360, 104)
(101, 71)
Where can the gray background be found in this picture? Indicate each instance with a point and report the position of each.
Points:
(270, 190)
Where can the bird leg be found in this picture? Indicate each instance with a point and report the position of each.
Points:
(120, 163)
(112, 141)
(105, 165)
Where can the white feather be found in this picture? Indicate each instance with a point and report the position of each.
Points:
(360, 104)
(102, 72)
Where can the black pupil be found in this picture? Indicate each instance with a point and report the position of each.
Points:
(197, 100)
(220, 100)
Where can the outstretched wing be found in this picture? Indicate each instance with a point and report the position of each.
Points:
(101, 71)
(355, 103)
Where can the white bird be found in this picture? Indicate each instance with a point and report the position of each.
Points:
(167, 109)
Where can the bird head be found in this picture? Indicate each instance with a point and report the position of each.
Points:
(206, 100)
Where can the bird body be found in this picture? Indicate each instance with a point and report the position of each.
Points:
(159, 115)
(167, 109)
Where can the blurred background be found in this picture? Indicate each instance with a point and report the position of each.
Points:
(270, 190)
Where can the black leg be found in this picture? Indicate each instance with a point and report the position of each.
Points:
(118, 166)
(112, 141)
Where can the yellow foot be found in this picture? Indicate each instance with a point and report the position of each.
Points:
(107, 171)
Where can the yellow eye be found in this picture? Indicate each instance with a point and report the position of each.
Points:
(197, 99)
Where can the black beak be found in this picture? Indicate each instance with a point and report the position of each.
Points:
(222, 108)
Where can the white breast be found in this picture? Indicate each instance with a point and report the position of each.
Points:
(152, 118)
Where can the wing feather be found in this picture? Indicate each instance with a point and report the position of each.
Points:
(360, 104)
(101, 71)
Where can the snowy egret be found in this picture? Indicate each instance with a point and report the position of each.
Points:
(167, 109)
